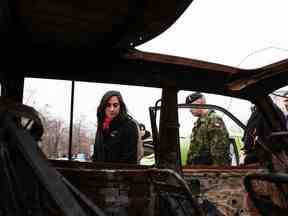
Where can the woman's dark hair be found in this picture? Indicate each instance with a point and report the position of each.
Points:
(103, 103)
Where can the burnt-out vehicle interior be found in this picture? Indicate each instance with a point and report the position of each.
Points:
(95, 42)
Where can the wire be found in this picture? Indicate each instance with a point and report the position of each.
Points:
(253, 53)
(261, 50)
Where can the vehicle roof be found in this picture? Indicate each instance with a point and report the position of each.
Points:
(154, 70)
(96, 43)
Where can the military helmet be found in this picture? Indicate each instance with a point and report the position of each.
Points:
(194, 96)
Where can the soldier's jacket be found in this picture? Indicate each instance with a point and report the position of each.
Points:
(209, 141)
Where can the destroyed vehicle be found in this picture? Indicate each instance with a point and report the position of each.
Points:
(54, 40)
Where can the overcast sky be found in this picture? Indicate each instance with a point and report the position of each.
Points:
(241, 33)
(227, 31)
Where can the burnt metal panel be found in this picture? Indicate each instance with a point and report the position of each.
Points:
(169, 148)
(222, 186)
(31, 176)
(268, 192)
(130, 191)
(13, 88)
(98, 24)
(146, 69)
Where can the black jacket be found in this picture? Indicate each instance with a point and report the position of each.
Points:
(118, 144)
(257, 126)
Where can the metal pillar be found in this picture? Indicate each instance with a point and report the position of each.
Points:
(169, 148)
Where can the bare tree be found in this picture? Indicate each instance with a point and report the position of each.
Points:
(54, 141)
(29, 95)
(81, 138)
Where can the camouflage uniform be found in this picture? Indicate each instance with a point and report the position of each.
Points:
(209, 141)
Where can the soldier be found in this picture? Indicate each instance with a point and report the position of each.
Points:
(209, 139)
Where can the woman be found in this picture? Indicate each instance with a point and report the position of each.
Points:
(117, 134)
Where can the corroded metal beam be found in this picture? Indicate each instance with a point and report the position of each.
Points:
(169, 148)
(13, 88)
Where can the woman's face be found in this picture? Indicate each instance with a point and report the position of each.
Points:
(112, 107)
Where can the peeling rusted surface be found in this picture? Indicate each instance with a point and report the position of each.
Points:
(223, 187)
(97, 24)
(257, 75)
(112, 191)
(133, 191)
(176, 60)
(136, 189)
(169, 131)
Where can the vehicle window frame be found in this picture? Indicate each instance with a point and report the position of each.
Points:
(155, 132)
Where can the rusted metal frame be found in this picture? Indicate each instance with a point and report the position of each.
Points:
(8, 180)
(278, 179)
(236, 151)
(144, 18)
(134, 60)
(153, 111)
(254, 76)
(169, 148)
(118, 37)
(160, 177)
(183, 184)
(179, 178)
(155, 136)
(134, 54)
(71, 121)
(48, 177)
(150, 67)
(273, 119)
(266, 106)
(141, 71)
(128, 56)
(13, 87)
(209, 106)
(20, 192)
(146, 69)
(81, 197)
(148, 25)
(132, 21)
(215, 107)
